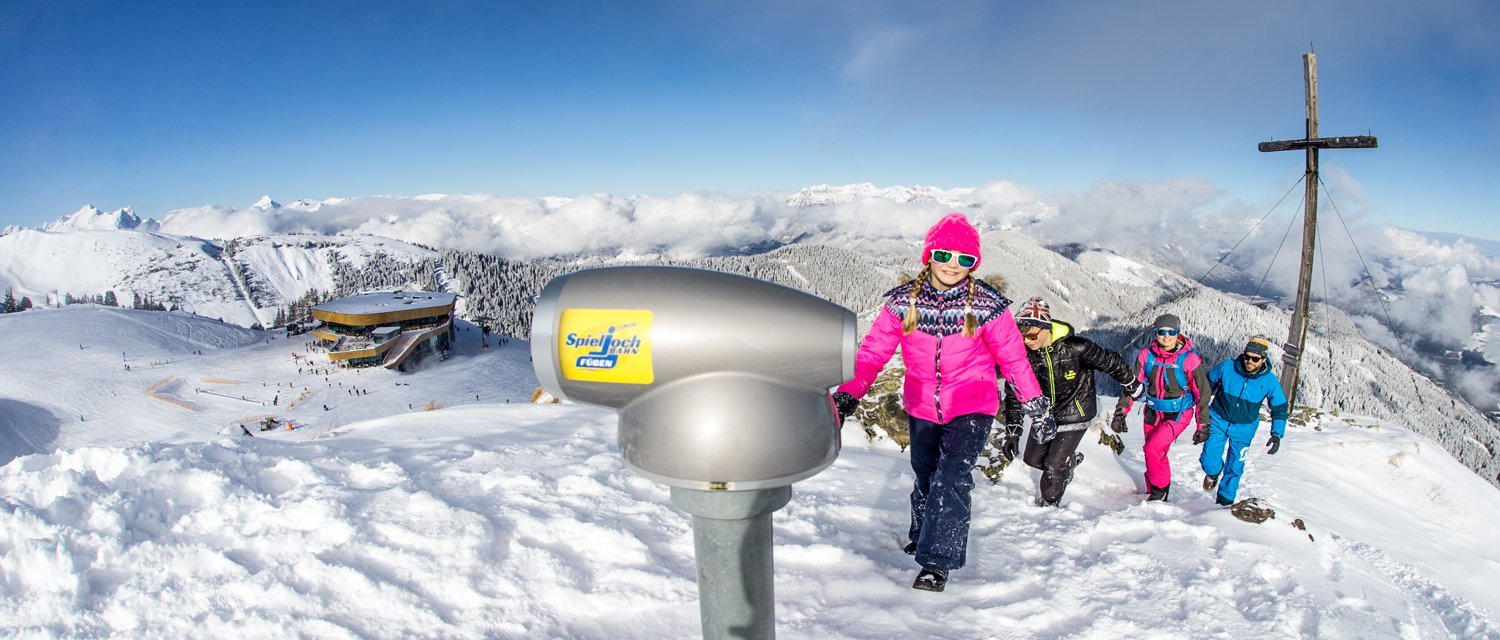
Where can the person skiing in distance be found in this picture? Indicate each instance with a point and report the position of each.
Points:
(1239, 388)
(1175, 392)
(1064, 363)
(953, 331)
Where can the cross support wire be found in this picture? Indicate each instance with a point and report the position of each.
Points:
(1297, 336)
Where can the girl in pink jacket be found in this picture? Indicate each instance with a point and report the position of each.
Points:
(953, 330)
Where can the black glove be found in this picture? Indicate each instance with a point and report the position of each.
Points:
(1117, 423)
(1133, 389)
(1201, 435)
(1275, 445)
(845, 403)
(1010, 444)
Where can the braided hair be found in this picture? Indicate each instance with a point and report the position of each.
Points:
(971, 322)
(909, 322)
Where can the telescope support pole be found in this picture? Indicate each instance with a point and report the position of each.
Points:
(732, 542)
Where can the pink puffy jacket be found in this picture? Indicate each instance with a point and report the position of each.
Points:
(947, 375)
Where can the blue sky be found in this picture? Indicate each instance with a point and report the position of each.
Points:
(157, 106)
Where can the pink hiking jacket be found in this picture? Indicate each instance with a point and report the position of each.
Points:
(947, 375)
(1163, 383)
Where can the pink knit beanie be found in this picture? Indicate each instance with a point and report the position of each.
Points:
(954, 233)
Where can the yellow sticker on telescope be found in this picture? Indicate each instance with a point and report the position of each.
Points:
(606, 345)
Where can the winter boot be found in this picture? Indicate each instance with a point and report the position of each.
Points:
(1209, 482)
(1223, 501)
(931, 580)
(1073, 462)
(910, 548)
(1158, 493)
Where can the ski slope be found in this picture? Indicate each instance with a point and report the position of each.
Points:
(493, 519)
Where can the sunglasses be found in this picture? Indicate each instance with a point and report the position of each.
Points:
(1166, 332)
(1032, 334)
(1254, 358)
(964, 260)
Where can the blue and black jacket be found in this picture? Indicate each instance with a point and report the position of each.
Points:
(1238, 395)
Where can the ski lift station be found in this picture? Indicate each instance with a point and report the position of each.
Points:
(393, 329)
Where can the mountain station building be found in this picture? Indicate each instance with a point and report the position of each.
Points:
(393, 329)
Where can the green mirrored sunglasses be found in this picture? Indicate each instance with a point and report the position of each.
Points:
(964, 260)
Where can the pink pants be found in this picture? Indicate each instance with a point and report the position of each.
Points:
(1159, 437)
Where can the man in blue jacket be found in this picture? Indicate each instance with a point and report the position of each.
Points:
(1239, 387)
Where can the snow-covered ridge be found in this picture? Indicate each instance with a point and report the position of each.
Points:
(243, 282)
(90, 218)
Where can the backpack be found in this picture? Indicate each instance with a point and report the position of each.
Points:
(1163, 405)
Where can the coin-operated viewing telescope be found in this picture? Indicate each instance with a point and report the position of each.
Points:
(721, 383)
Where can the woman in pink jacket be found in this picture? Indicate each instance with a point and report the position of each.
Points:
(953, 330)
(1175, 389)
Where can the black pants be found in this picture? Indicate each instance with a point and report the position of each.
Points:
(1053, 458)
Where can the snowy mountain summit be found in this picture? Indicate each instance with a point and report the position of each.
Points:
(89, 218)
(266, 203)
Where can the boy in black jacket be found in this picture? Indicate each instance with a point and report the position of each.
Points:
(1064, 363)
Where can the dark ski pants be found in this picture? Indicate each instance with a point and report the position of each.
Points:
(1054, 458)
(1224, 452)
(942, 456)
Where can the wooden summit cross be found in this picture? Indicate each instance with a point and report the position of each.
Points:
(1297, 337)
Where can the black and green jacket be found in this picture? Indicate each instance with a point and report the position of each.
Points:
(1065, 370)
